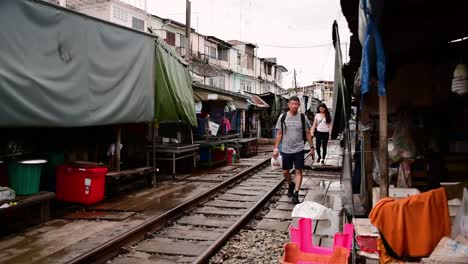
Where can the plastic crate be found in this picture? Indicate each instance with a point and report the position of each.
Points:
(79, 184)
(25, 176)
(219, 155)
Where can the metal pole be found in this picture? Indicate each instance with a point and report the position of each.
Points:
(295, 81)
(187, 29)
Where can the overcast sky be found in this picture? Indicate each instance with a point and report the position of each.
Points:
(278, 27)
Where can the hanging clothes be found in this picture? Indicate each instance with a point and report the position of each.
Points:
(226, 125)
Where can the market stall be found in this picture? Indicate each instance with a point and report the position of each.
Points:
(412, 101)
(220, 115)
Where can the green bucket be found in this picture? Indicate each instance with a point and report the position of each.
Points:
(25, 176)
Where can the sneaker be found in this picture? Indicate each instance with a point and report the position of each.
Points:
(323, 162)
(295, 198)
(292, 185)
(318, 159)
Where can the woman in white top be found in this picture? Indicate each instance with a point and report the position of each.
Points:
(321, 130)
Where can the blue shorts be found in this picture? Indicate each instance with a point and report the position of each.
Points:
(295, 158)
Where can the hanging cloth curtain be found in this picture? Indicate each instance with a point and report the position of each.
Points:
(372, 38)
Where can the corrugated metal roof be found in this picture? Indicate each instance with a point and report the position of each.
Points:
(258, 102)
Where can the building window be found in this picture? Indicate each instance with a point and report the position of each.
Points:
(120, 14)
(170, 38)
(246, 85)
(183, 41)
(269, 70)
(223, 53)
(250, 62)
(218, 82)
(213, 52)
(249, 50)
(239, 57)
(221, 82)
(138, 24)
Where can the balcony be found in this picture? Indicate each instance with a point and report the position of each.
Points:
(180, 51)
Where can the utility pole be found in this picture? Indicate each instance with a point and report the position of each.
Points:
(295, 81)
(188, 7)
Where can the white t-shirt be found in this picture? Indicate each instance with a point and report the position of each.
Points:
(322, 125)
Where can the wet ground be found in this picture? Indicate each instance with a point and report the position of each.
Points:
(59, 240)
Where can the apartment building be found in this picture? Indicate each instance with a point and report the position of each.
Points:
(115, 11)
(321, 90)
(229, 65)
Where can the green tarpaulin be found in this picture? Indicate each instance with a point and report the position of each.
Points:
(173, 88)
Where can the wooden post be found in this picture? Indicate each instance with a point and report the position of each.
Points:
(241, 125)
(383, 149)
(155, 169)
(207, 128)
(366, 174)
(117, 148)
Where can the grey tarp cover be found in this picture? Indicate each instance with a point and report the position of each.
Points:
(174, 94)
(61, 69)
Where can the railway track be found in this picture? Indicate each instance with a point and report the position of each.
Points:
(198, 228)
(195, 230)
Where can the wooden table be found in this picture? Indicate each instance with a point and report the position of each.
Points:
(232, 139)
(115, 176)
(249, 146)
(172, 152)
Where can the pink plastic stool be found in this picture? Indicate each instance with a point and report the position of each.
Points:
(302, 236)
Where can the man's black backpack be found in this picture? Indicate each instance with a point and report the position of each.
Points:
(283, 126)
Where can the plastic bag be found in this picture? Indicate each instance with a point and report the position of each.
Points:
(460, 224)
(277, 163)
(330, 219)
(7, 194)
(312, 210)
(401, 145)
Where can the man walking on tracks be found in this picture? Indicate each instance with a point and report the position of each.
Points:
(293, 130)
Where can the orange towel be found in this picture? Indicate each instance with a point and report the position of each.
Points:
(412, 227)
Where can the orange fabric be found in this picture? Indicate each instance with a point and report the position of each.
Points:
(384, 257)
(413, 226)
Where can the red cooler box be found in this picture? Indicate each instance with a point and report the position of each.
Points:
(84, 185)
